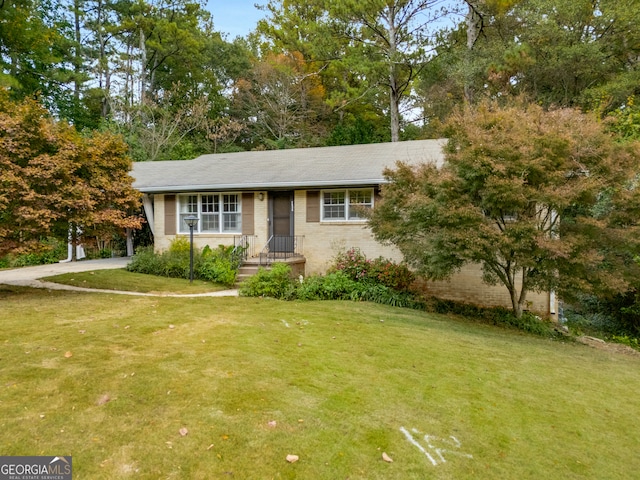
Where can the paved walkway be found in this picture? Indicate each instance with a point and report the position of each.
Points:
(30, 277)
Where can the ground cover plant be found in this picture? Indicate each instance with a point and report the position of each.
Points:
(121, 279)
(201, 388)
(51, 251)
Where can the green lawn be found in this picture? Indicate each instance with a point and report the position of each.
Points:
(111, 380)
(121, 279)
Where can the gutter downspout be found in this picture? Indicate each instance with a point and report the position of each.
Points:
(147, 203)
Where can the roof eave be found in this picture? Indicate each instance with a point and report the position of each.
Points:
(261, 186)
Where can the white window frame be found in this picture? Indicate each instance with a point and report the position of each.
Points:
(217, 212)
(349, 196)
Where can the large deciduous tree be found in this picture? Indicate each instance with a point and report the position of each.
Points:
(282, 102)
(51, 178)
(540, 199)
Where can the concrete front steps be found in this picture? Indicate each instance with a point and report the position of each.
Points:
(251, 266)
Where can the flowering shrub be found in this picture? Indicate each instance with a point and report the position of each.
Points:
(381, 271)
(353, 263)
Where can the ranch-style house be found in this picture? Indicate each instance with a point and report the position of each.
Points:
(300, 205)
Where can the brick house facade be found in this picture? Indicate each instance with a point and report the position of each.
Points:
(302, 202)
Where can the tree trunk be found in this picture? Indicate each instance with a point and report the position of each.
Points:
(143, 66)
(518, 299)
(104, 72)
(77, 54)
(394, 110)
(474, 28)
(394, 100)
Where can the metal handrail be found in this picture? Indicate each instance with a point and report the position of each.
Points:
(281, 247)
(243, 249)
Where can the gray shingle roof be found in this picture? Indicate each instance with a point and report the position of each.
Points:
(296, 168)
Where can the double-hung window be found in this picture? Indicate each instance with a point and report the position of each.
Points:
(346, 205)
(216, 212)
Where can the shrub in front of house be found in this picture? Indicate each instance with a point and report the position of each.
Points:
(352, 277)
(335, 285)
(380, 271)
(213, 265)
(217, 265)
(275, 282)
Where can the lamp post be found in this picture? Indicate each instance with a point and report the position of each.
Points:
(192, 221)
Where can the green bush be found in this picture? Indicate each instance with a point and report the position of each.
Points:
(312, 288)
(334, 286)
(146, 261)
(619, 315)
(338, 285)
(389, 296)
(379, 271)
(275, 282)
(180, 245)
(176, 263)
(219, 266)
(51, 251)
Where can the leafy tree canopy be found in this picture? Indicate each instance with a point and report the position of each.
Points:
(540, 199)
(52, 178)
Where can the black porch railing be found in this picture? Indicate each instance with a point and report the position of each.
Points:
(244, 247)
(281, 247)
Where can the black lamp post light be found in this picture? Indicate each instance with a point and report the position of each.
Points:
(192, 222)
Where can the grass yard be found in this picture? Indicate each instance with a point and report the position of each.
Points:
(121, 279)
(113, 380)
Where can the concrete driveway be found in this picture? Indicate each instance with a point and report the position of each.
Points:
(30, 277)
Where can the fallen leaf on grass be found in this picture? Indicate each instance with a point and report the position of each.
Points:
(68, 355)
(386, 458)
(292, 458)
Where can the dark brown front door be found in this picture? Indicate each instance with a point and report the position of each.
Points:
(281, 222)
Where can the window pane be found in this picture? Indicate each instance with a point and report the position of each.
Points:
(359, 197)
(334, 205)
(188, 205)
(232, 222)
(231, 203)
(209, 208)
(210, 222)
(334, 212)
(231, 218)
(184, 228)
(334, 198)
(210, 203)
(359, 200)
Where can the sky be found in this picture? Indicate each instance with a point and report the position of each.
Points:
(235, 17)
